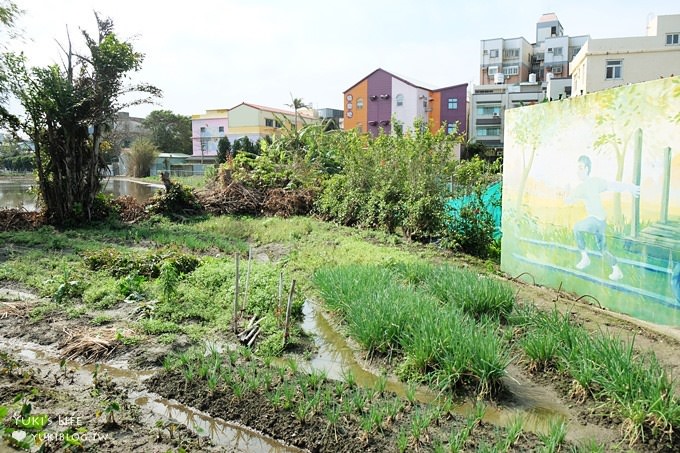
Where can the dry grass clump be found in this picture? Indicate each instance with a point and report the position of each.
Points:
(90, 345)
(14, 309)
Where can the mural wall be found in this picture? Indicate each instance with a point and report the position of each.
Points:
(591, 198)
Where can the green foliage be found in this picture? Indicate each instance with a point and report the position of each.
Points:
(295, 159)
(140, 156)
(168, 280)
(272, 346)
(131, 265)
(170, 133)
(385, 312)
(15, 157)
(66, 112)
(223, 150)
(392, 182)
(471, 225)
(104, 294)
(158, 327)
(177, 201)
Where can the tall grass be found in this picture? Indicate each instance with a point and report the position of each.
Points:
(477, 295)
(415, 310)
(607, 368)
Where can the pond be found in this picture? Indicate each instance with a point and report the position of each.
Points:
(18, 192)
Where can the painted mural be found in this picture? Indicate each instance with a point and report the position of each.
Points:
(591, 198)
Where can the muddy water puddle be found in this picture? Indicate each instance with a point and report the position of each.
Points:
(537, 406)
(78, 377)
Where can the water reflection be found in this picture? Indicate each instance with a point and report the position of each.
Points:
(537, 406)
(20, 192)
(233, 436)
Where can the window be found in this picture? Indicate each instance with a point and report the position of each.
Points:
(493, 53)
(672, 39)
(492, 70)
(277, 123)
(220, 129)
(488, 110)
(557, 51)
(613, 70)
(360, 103)
(511, 70)
(453, 103)
(557, 69)
(268, 122)
(488, 131)
(510, 53)
(400, 100)
(451, 128)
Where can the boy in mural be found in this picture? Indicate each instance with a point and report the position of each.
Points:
(589, 190)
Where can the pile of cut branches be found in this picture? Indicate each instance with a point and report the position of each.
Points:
(20, 219)
(288, 202)
(235, 198)
(129, 209)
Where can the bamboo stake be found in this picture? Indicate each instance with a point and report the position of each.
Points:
(245, 297)
(252, 320)
(252, 340)
(243, 336)
(290, 303)
(236, 306)
(278, 308)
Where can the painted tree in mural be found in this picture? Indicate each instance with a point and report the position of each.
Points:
(527, 131)
(616, 120)
(67, 111)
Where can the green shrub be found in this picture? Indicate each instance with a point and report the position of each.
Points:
(103, 294)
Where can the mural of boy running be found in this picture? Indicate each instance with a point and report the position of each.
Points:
(588, 190)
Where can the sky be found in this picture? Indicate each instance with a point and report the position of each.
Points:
(218, 53)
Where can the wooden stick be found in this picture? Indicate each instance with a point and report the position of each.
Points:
(245, 297)
(252, 340)
(290, 303)
(280, 291)
(236, 306)
(246, 333)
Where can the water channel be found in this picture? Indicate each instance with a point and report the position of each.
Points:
(19, 192)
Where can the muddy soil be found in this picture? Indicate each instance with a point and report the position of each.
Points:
(79, 397)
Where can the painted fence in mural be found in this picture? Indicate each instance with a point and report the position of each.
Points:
(591, 197)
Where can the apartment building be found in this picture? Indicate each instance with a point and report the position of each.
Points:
(514, 60)
(515, 73)
(243, 120)
(611, 62)
(372, 103)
